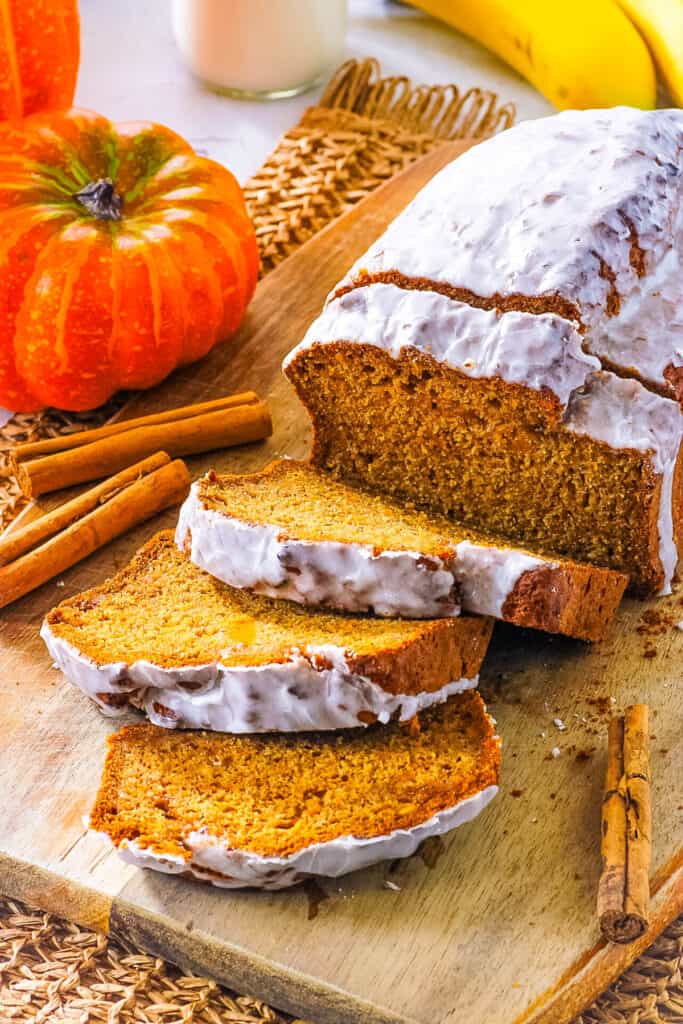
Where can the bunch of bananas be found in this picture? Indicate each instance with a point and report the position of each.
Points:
(579, 53)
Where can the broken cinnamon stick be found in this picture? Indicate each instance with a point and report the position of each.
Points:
(221, 429)
(65, 442)
(624, 888)
(127, 506)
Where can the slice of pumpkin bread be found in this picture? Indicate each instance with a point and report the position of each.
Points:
(295, 532)
(166, 637)
(268, 811)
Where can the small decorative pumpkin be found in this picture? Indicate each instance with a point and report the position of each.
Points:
(39, 55)
(123, 254)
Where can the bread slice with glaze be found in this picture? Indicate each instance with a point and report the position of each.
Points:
(268, 811)
(295, 532)
(164, 636)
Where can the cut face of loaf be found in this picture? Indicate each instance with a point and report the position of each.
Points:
(192, 652)
(294, 532)
(503, 353)
(270, 811)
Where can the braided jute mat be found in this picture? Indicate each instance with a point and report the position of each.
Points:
(365, 129)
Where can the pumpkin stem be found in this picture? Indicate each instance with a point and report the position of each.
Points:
(101, 199)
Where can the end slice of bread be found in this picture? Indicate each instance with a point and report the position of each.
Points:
(164, 636)
(296, 532)
(269, 811)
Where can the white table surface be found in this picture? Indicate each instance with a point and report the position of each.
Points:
(131, 70)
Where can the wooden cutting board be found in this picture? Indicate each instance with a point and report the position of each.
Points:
(493, 925)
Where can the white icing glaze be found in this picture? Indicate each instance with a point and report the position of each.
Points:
(617, 411)
(211, 859)
(350, 576)
(537, 351)
(288, 697)
(624, 414)
(488, 575)
(534, 210)
(347, 576)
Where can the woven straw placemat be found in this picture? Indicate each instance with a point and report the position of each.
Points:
(365, 129)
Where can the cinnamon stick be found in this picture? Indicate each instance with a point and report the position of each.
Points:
(127, 507)
(18, 542)
(65, 442)
(624, 888)
(203, 433)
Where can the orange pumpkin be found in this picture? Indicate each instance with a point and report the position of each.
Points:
(39, 55)
(123, 255)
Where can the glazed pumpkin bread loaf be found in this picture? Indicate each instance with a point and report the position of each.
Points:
(269, 811)
(295, 532)
(510, 350)
(166, 637)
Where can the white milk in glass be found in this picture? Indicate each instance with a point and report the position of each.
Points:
(260, 48)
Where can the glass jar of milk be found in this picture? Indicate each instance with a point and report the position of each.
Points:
(260, 49)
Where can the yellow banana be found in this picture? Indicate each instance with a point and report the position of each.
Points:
(661, 24)
(578, 53)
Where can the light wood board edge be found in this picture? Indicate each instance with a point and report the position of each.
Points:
(244, 971)
(292, 991)
(195, 951)
(54, 894)
(588, 978)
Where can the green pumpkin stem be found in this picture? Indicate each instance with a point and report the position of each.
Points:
(101, 199)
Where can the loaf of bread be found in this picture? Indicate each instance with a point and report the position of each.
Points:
(295, 532)
(510, 351)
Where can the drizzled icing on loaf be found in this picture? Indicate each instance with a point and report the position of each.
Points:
(353, 577)
(542, 351)
(584, 206)
(315, 688)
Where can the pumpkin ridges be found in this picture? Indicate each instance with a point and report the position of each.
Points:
(150, 145)
(218, 222)
(45, 54)
(72, 274)
(220, 197)
(62, 330)
(11, 97)
(173, 324)
(197, 342)
(202, 295)
(231, 268)
(213, 211)
(143, 351)
(189, 170)
(174, 291)
(19, 244)
(14, 225)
